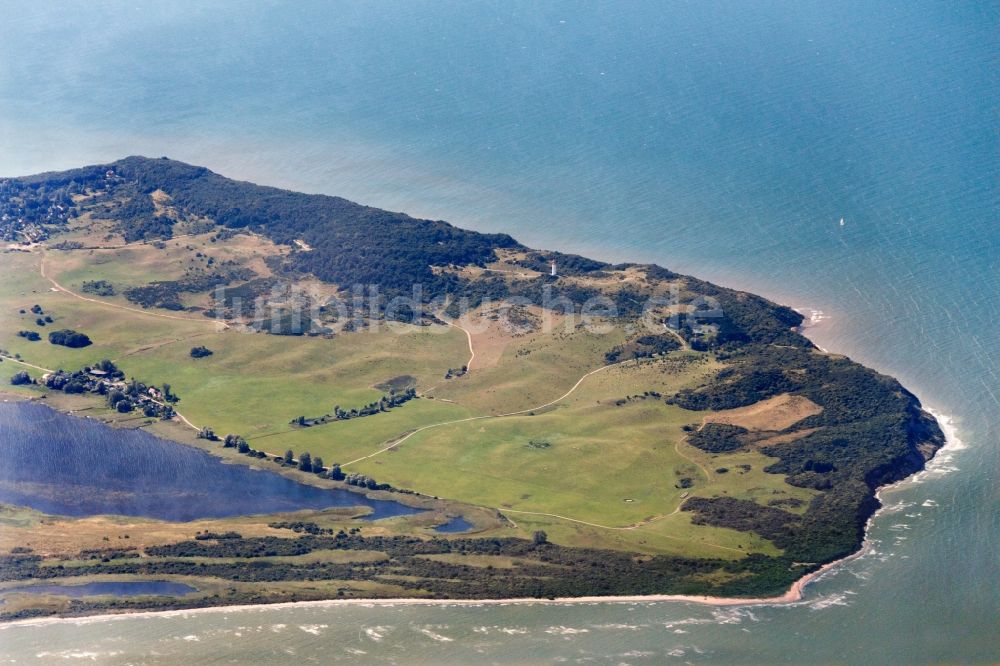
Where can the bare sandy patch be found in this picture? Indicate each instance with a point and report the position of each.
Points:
(495, 328)
(777, 413)
(785, 437)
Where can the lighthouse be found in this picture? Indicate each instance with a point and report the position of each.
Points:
(553, 271)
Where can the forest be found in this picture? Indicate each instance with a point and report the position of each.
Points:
(867, 435)
(351, 244)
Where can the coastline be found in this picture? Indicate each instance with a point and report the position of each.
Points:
(794, 595)
(814, 318)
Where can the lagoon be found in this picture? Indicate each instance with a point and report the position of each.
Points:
(456, 525)
(71, 466)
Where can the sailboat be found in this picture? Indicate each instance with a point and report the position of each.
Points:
(841, 221)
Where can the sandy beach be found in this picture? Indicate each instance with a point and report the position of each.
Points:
(792, 596)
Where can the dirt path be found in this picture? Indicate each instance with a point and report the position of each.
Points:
(164, 343)
(678, 336)
(405, 437)
(704, 470)
(38, 367)
(182, 418)
(24, 363)
(623, 529)
(397, 442)
(59, 287)
(567, 393)
(472, 352)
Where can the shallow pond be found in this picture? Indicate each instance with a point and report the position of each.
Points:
(454, 526)
(65, 465)
(118, 589)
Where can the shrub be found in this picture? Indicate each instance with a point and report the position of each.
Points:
(69, 338)
(718, 438)
(98, 288)
(21, 378)
(200, 352)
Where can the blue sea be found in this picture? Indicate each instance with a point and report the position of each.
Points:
(722, 139)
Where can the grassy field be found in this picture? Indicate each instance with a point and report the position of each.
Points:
(608, 465)
(572, 460)
(115, 332)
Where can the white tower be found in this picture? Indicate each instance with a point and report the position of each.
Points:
(553, 272)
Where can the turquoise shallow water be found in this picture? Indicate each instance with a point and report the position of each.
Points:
(725, 141)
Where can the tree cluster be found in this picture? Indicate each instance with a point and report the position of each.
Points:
(383, 404)
(21, 378)
(69, 338)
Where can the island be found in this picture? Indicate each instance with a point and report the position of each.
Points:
(461, 416)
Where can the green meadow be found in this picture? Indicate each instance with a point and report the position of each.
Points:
(606, 460)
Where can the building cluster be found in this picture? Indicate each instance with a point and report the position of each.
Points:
(123, 396)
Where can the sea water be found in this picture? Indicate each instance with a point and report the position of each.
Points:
(726, 140)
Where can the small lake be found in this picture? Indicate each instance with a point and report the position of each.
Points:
(454, 526)
(71, 466)
(118, 589)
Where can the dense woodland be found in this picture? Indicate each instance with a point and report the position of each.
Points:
(353, 244)
(350, 243)
(868, 434)
(27, 208)
(718, 438)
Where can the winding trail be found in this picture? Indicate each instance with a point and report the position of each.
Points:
(182, 418)
(397, 442)
(680, 338)
(468, 336)
(25, 363)
(623, 529)
(704, 470)
(59, 287)
(567, 393)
